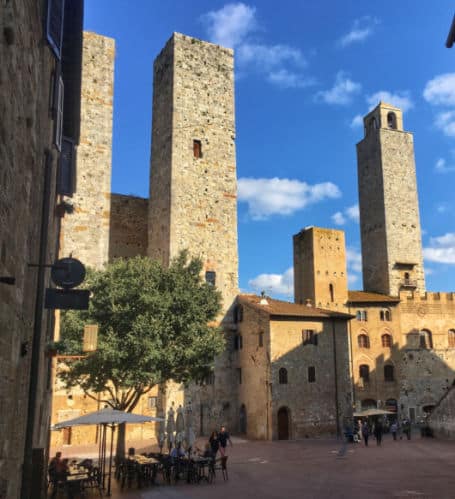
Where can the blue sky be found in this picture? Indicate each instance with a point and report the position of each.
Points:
(306, 72)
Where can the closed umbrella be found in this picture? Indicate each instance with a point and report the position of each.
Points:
(170, 428)
(190, 437)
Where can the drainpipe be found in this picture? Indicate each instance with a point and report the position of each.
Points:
(353, 391)
(26, 488)
(336, 377)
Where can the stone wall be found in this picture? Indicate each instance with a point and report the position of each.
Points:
(85, 233)
(442, 418)
(26, 131)
(389, 209)
(128, 226)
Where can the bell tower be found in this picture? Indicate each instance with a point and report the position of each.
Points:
(389, 208)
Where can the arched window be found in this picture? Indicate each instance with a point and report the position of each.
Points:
(283, 376)
(389, 374)
(364, 373)
(238, 342)
(331, 292)
(361, 315)
(451, 338)
(392, 121)
(426, 341)
(238, 314)
(387, 340)
(363, 341)
(385, 315)
(372, 124)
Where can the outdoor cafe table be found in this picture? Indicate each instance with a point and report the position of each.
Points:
(148, 467)
(74, 481)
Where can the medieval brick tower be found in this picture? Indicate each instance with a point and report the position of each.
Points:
(85, 234)
(193, 187)
(389, 210)
(193, 194)
(320, 268)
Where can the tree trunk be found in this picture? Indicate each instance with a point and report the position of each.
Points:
(120, 451)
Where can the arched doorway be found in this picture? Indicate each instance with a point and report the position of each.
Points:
(242, 419)
(283, 423)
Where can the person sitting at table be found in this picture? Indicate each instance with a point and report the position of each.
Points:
(207, 452)
(177, 451)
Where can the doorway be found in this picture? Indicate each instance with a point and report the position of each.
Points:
(283, 423)
(242, 419)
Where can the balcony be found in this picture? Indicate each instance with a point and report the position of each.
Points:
(409, 283)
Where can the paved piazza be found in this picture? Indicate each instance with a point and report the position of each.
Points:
(420, 468)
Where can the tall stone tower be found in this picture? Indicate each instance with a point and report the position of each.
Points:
(85, 233)
(320, 268)
(389, 209)
(193, 192)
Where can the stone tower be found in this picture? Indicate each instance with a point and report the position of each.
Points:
(193, 192)
(320, 268)
(389, 209)
(85, 233)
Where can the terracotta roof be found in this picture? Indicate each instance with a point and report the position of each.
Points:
(365, 297)
(278, 307)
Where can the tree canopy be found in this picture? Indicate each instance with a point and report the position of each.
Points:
(155, 324)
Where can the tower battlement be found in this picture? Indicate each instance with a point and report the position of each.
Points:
(427, 297)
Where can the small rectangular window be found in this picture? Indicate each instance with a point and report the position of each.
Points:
(239, 375)
(311, 374)
(210, 277)
(152, 402)
(261, 339)
(197, 149)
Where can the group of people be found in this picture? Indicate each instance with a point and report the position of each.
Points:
(365, 430)
(217, 443)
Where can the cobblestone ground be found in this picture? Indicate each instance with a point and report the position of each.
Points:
(420, 468)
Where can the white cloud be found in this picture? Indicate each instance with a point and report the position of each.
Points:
(441, 249)
(354, 260)
(401, 100)
(282, 284)
(441, 90)
(349, 213)
(338, 218)
(442, 207)
(361, 29)
(357, 121)
(441, 166)
(446, 122)
(275, 196)
(342, 91)
(231, 24)
(352, 278)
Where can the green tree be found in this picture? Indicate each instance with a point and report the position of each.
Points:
(155, 324)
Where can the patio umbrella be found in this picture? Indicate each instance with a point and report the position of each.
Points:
(105, 418)
(372, 412)
(162, 432)
(180, 421)
(190, 437)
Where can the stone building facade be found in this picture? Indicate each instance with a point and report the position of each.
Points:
(39, 63)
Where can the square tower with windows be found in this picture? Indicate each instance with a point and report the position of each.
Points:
(193, 193)
(389, 207)
(320, 277)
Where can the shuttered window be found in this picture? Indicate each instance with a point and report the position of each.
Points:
(58, 118)
(66, 181)
(54, 25)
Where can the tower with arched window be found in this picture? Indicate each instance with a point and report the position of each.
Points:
(389, 208)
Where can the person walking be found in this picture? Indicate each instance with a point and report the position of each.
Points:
(224, 438)
(407, 428)
(365, 432)
(378, 430)
(394, 429)
(214, 442)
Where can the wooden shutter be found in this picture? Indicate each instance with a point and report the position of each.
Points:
(66, 181)
(58, 124)
(54, 25)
